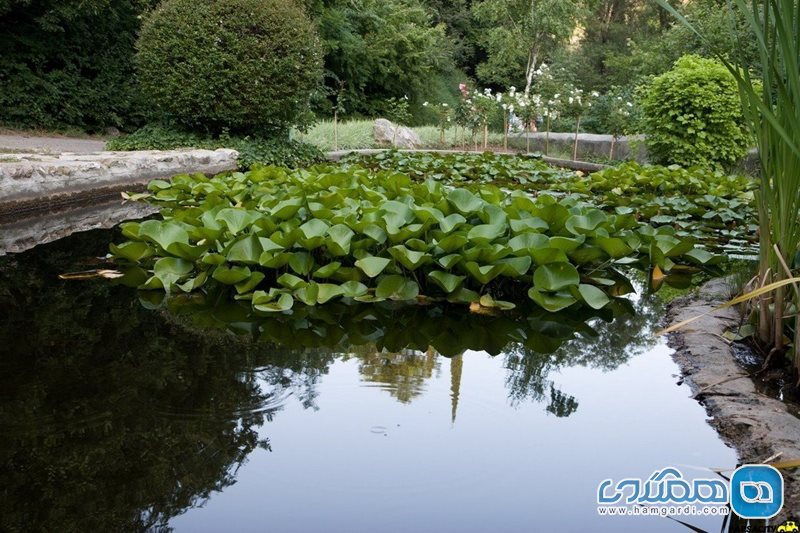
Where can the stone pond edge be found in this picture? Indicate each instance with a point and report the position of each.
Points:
(757, 426)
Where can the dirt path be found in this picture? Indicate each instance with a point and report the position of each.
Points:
(49, 145)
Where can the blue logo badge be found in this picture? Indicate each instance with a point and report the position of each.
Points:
(756, 491)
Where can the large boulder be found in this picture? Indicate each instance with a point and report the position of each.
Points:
(385, 132)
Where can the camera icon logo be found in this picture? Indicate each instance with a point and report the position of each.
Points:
(756, 491)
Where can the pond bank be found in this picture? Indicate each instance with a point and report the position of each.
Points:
(757, 426)
(34, 183)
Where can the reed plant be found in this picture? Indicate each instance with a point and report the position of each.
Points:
(771, 103)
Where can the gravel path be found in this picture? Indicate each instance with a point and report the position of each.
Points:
(49, 145)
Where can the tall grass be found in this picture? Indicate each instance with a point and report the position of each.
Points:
(771, 104)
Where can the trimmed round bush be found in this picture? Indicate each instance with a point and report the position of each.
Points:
(693, 115)
(247, 66)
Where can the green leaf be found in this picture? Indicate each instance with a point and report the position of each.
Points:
(245, 250)
(485, 233)
(353, 289)
(594, 297)
(484, 274)
(340, 237)
(409, 258)
(449, 283)
(449, 261)
(464, 201)
(235, 219)
(231, 275)
(301, 263)
(250, 284)
(553, 302)
(451, 222)
(168, 270)
(314, 228)
(515, 267)
(372, 266)
(327, 271)
(284, 302)
(389, 285)
(132, 251)
(328, 291)
(533, 224)
(291, 281)
(163, 233)
(555, 276)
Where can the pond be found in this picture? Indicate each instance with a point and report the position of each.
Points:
(122, 413)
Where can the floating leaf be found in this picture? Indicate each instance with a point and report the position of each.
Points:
(449, 283)
(372, 266)
(555, 276)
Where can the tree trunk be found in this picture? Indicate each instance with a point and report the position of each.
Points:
(533, 56)
(505, 130)
(528, 138)
(335, 131)
(547, 137)
(575, 148)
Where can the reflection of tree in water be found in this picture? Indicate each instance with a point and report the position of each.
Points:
(403, 373)
(112, 419)
(396, 344)
(604, 346)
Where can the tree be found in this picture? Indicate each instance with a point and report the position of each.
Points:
(520, 34)
(381, 49)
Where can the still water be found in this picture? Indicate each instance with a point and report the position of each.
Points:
(122, 413)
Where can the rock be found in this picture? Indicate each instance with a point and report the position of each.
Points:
(401, 137)
(112, 132)
(34, 177)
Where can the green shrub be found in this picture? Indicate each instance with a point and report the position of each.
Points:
(69, 64)
(692, 115)
(251, 150)
(248, 66)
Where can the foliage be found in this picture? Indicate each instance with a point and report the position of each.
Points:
(248, 66)
(69, 64)
(520, 35)
(710, 205)
(382, 49)
(772, 108)
(280, 237)
(252, 150)
(692, 115)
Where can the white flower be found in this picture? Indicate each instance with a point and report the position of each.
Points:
(499, 97)
(555, 96)
(445, 105)
(595, 94)
(425, 104)
(629, 104)
(571, 100)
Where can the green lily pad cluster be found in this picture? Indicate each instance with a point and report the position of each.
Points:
(715, 207)
(466, 167)
(277, 237)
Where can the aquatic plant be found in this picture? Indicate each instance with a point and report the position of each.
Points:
(278, 237)
(716, 208)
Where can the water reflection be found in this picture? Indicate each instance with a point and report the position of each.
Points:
(119, 411)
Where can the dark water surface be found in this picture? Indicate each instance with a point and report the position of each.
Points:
(120, 414)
